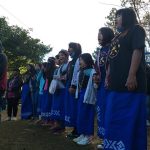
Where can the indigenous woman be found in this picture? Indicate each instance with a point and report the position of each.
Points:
(105, 36)
(26, 99)
(125, 118)
(57, 111)
(41, 82)
(38, 76)
(70, 101)
(47, 97)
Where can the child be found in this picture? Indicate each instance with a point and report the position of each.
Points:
(86, 101)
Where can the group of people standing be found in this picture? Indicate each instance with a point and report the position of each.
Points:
(63, 93)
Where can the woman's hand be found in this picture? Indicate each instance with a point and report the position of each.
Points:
(131, 82)
(107, 81)
(72, 90)
(107, 77)
(96, 78)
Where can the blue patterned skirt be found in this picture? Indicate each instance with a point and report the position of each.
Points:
(100, 108)
(125, 121)
(70, 109)
(85, 117)
(46, 103)
(39, 104)
(57, 111)
(26, 102)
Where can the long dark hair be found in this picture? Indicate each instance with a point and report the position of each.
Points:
(76, 48)
(31, 70)
(129, 18)
(107, 34)
(87, 58)
(50, 67)
(64, 52)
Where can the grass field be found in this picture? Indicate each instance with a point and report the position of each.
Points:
(25, 135)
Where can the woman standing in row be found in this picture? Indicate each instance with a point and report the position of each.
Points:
(57, 110)
(74, 51)
(105, 36)
(125, 118)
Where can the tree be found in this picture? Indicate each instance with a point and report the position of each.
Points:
(111, 19)
(20, 47)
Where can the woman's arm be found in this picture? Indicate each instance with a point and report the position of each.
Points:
(131, 82)
(107, 77)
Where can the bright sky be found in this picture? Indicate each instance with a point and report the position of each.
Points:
(58, 22)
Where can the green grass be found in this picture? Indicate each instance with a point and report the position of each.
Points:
(25, 135)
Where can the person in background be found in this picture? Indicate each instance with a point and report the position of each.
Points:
(38, 74)
(105, 36)
(41, 82)
(125, 115)
(47, 97)
(57, 61)
(3, 75)
(26, 94)
(74, 51)
(13, 94)
(33, 89)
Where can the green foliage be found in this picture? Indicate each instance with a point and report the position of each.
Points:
(20, 47)
(111, 19)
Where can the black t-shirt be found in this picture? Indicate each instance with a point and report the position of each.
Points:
(148, 79)
(121, 61)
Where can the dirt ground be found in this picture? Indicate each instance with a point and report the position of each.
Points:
(26, 135)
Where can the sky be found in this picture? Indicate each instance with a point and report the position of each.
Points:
(58, 22)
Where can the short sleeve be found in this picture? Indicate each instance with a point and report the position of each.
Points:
(138, 38)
